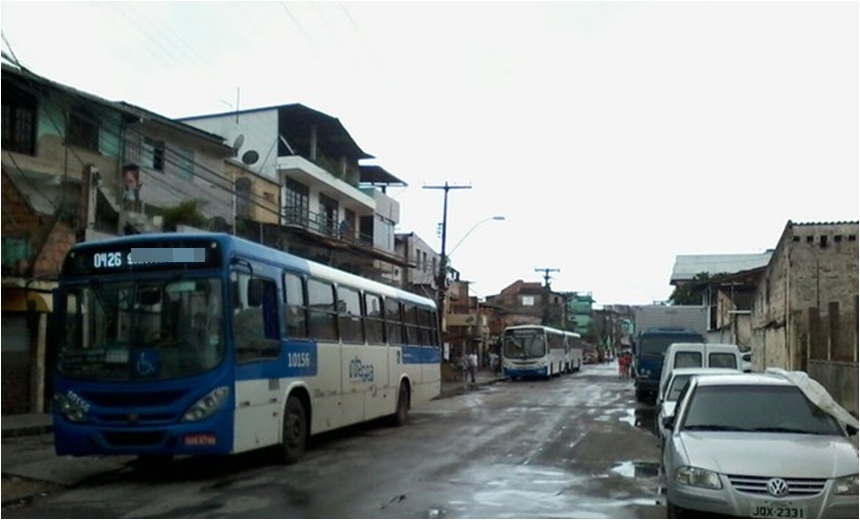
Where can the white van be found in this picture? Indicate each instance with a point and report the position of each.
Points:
(699, 355)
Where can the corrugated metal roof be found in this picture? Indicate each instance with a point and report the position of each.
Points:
(827, 223)
(688, 266)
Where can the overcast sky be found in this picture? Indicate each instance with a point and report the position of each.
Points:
(612, 136)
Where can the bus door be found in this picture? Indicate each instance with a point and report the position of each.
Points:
(257, 351)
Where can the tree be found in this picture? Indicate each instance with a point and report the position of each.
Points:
(691, 292)
(185, 213)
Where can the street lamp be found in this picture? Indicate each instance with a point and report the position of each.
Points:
(496, 217)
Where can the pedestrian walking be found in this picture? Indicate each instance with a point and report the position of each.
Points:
(495, 366)
(624, 365)
(472, 362)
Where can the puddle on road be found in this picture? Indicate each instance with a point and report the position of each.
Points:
(637, 469)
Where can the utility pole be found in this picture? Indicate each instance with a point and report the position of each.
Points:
(546, 291)
(442, 275)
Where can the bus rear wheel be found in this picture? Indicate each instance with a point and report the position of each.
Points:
(401, 413)
(295, 437)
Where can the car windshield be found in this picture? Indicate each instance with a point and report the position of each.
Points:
(760, 408)
(140, 330)
(678, 383)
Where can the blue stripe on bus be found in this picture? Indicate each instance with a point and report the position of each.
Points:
(425, 355)
(297, 359)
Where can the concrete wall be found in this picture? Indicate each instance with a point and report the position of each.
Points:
(805, 312)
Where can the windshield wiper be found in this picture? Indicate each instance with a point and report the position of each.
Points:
(714, 428)
(776, 429)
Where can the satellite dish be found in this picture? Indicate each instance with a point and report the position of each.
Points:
(238, 142)
(250, 157)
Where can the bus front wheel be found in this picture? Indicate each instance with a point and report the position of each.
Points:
(295, 436)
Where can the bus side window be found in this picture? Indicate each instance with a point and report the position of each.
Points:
(373, 322)
(349, 315)
(255, 319)
(410, 322)
(296, 306)
(393, 322)
(322, 312)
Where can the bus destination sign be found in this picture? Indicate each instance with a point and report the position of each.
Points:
(87, 261)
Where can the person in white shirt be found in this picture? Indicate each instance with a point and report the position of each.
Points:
(472, 362)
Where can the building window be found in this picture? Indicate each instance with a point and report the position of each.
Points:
(243, 197)
(328, 212)
(184, 163)
(19, 121)
(155, 150)
(83, 130)
(296, 203)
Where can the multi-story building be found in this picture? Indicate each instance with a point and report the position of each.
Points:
(77, 167)
(421, 278)
(578, 309)
(331, 208)
(529, 303)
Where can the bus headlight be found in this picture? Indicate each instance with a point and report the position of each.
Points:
(207, 405)
(71, 410)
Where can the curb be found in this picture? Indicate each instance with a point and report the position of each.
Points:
(23, 431)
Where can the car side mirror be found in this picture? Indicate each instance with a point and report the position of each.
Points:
(852, 431)
(668, 422)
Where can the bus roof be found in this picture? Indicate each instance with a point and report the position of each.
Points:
(233, 246)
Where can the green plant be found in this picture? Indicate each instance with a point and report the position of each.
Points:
(185, 213)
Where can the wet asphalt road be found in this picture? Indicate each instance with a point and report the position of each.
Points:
(577, 446)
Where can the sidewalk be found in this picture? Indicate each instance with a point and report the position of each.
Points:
(31, 468)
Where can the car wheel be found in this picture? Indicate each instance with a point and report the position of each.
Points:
(295, 437)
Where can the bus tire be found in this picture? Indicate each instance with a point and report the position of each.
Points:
(401, 413)
(295, 436)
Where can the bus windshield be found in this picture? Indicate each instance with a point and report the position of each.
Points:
(524, 344)
(143, 330)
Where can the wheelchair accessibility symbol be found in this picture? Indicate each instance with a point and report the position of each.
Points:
(145, 363)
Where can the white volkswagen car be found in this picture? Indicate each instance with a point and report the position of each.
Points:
(669, 394)
(763, 445)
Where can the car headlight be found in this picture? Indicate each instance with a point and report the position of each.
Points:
(644, 372)
(846, 485)
(698, 477)
(206, 405)
(75, 411)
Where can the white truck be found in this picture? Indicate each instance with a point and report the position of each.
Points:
(657, 327)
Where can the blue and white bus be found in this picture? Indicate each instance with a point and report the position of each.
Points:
(182, 344)
(530, 351)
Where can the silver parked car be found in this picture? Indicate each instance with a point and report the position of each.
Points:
(668, 396)
(760, 445)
